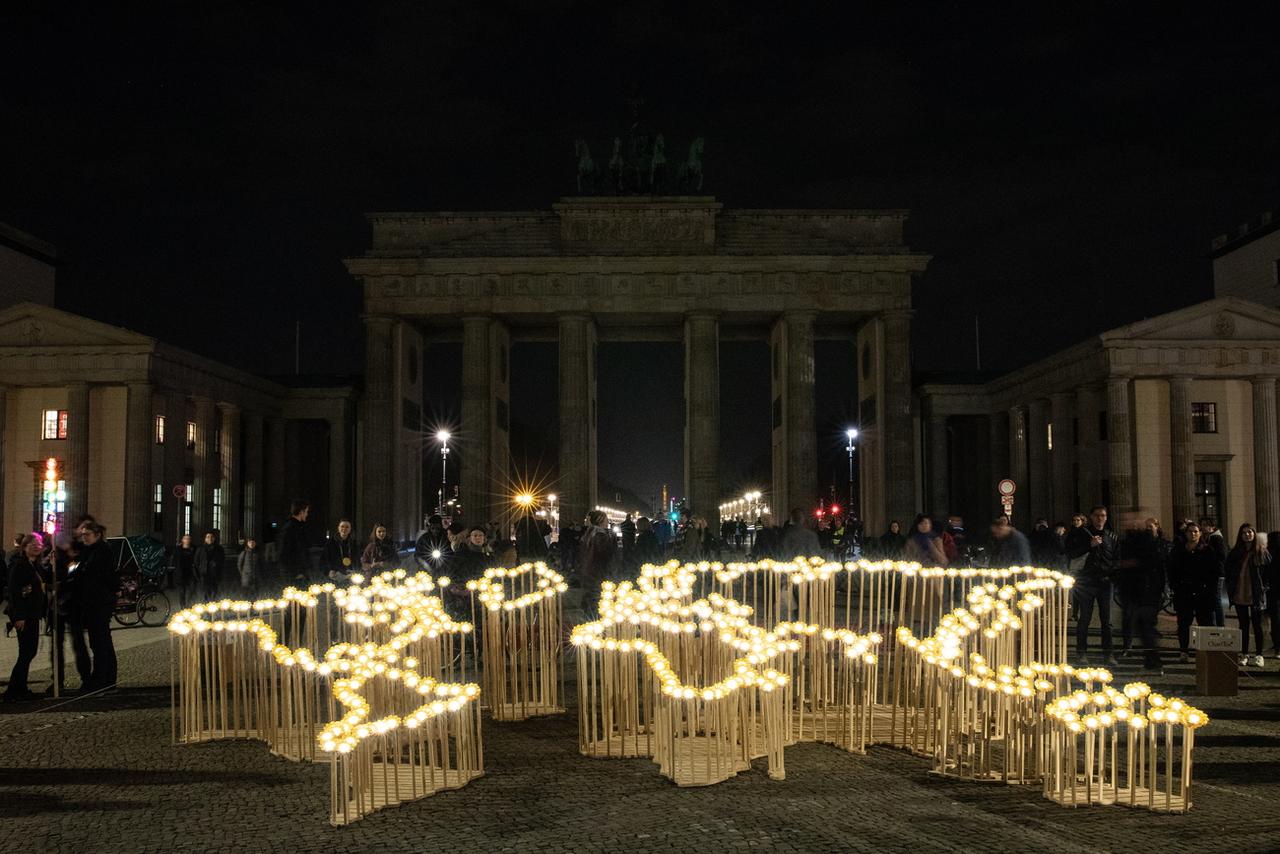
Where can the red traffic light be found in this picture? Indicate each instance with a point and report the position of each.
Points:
(835, 508)
(818, 512)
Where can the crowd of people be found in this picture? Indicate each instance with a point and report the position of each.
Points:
(64, 586)
(1192, 572)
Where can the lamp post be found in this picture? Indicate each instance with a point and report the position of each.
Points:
(443, 437)
(553, 515)
(50, 525)
(850, 434)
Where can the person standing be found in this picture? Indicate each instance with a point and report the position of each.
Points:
(339, 558)
(1194, 572)
(26, 607)
(892, 542)
(627, 530)
(798, 540)
(1142, 581)
(530, 546)
(249, 564)
(95, 587)
(379, 551)
(646, 550)
(1101, 549)
(767, 541)
(295, 563)
(597, 549)
(1010, 546)
(184, 566)
(924, 546)
(209, 562)
(1246, 573)
(1216, 541)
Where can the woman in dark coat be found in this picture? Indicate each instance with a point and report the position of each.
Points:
(26, 607)
(209, 562)
(892, 542)
(1194, 570)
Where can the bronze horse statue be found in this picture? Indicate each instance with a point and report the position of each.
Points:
(689, 176)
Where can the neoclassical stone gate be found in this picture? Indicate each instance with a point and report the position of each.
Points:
(677, 268)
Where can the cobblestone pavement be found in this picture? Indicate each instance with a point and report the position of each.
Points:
(100, 774)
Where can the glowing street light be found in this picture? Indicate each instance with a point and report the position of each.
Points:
(851, 434)
(443, 437)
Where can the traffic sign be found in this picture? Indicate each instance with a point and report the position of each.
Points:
(1006, 487)
(180, 491)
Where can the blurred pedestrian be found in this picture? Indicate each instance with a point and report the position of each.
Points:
(26, 607)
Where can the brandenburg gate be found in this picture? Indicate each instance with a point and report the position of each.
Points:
(632, 268)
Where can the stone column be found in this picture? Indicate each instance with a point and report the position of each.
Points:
(1120, 448)
(1266, 455)
(899, 446)
(277, 499)
(138, 439)
(254, 496)
(4, 449)
(1182, 456)
(1089, 451)
(206, 477)
(76, 465)
(175, 461)
(939, 467)
(1018, 464)
(702, 412)
(478, 492)
(1062, 456)
(577, 484)
(1039, 473)
(339, 483)
(229, 476)
(379, 429)
(998, 433)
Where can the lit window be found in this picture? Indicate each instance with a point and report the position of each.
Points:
(217, 509)
(1050, 435)
(191, 434)
(157, 506)
(55, 424)
(159, 429)
(1204, 418)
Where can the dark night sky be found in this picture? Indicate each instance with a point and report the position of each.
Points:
(202, 173)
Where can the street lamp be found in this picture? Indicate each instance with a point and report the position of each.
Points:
(551, 511)
(850, 434)
(443, 437)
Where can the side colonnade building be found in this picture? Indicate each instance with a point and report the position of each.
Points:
(155, 440)
(1173, 416)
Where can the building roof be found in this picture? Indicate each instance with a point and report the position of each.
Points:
(1224, 244)
(27, 244)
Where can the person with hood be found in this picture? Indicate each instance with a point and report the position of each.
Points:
(1101, 549)
(597, 546)
(26, 606)
(1194, 571)
(339, 557)
(1246, 571)
(924, 546)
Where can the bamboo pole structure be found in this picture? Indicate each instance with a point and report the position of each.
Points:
(364, 676)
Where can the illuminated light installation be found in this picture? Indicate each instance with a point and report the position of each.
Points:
(972, 695)
(388, 702)
(521, 615)
(53, 503)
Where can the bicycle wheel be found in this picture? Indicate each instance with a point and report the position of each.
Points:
(154, 608)
(127, 616)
